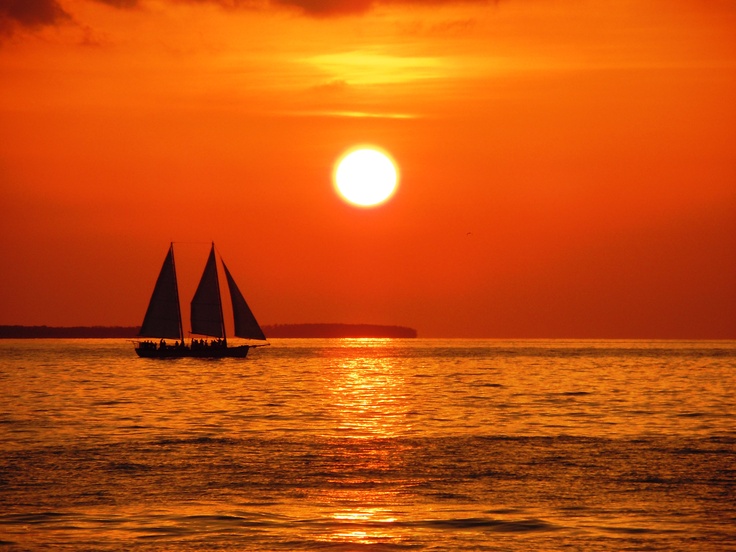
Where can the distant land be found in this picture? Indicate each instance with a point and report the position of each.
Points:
(26, 332)
(275, 331)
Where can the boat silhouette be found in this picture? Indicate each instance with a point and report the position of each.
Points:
(163, 318)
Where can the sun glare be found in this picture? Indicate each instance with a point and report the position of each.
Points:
(365, 176)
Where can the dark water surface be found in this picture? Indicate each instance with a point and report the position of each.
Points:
(370, 445)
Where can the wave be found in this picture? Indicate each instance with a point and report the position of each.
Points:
(490, 524)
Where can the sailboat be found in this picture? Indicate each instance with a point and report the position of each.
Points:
(163, 317)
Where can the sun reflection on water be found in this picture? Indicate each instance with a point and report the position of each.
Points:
(370, 408)
(368, 393)
(363, 525)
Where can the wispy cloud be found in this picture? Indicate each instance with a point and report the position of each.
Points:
(355, 114)
(372, 68)
(327, 8)
(324, 8)
(120, 3)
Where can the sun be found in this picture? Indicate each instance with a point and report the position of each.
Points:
(365, 176)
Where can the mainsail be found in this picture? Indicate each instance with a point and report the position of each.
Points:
(207, 318)
(246, 325)
(163, 316)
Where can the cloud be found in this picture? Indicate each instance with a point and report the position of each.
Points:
(30, 14)
(327, 8)
(314, 8)
(119, 3)
(35, 14)
(324, 8)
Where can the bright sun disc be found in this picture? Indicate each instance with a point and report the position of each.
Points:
(365, 176)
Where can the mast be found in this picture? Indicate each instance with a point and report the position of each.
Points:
(163, 316)
(176, 292)
(219, 296)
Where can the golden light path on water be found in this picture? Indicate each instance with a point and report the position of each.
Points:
(371, 404)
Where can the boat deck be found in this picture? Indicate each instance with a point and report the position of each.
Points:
(149, 350)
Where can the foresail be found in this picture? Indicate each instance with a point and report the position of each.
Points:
(246, 325)
(163, 316)
(207, 304)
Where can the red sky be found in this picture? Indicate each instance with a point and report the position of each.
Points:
(568, 166)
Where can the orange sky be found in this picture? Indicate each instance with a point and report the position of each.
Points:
(568, 166)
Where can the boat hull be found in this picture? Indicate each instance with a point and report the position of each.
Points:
(240, 351)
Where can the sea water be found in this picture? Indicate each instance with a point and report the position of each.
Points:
(370, 445)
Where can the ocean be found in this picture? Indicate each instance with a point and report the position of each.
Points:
(370, 445)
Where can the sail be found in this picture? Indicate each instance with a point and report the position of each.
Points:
(163, 316)
(207, 304)
(246, 325)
